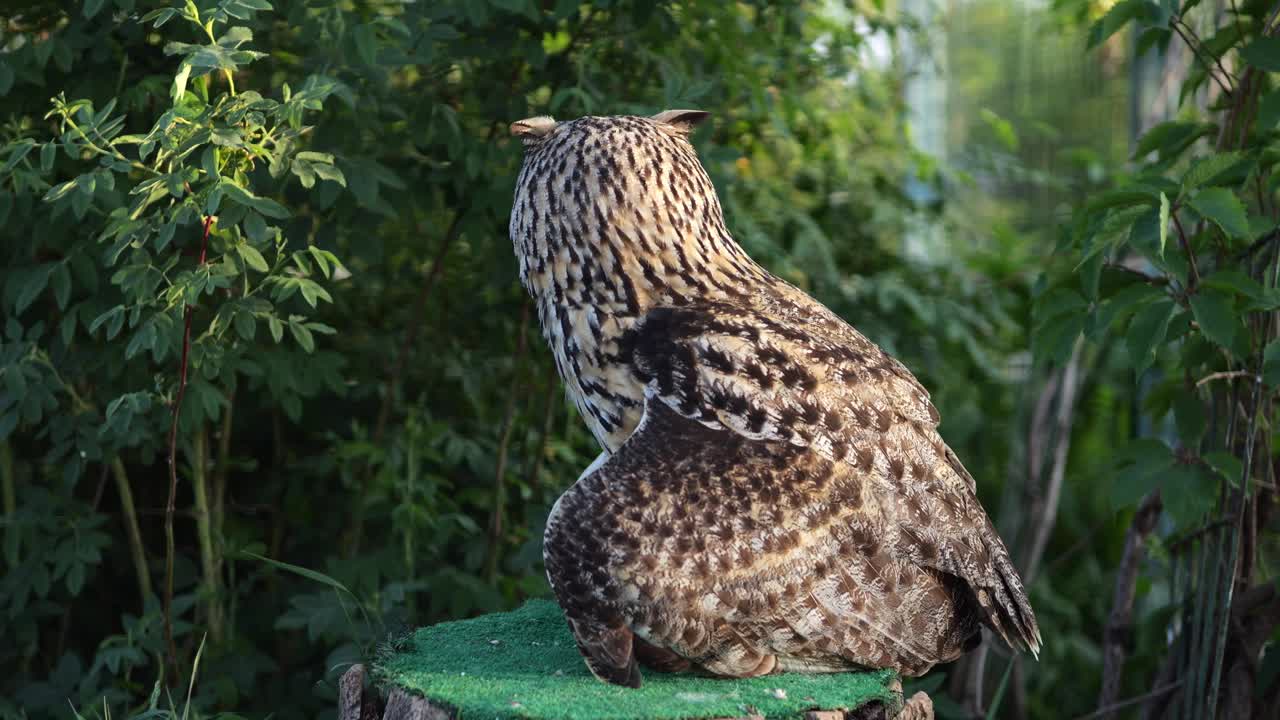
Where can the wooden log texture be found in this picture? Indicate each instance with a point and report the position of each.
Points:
(351, 693)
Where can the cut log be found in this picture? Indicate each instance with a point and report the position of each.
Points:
(525, 664)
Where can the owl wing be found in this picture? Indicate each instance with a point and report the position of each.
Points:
(795, 373)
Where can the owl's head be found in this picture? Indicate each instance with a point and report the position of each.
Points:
(534, 132)
(620, 196)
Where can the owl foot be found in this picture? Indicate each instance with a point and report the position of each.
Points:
(660, 659)
(919, 707)
(765, 665)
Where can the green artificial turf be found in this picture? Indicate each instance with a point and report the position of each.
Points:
(524, 664)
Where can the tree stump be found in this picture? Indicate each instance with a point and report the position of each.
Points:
(524, 664)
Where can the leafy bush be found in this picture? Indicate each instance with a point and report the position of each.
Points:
(257, 284)
(1167, 283)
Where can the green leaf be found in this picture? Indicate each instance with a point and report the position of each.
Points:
(1188, 415)
(1170, 138)
(1226, 465)
(329, 172)
(1269, 111)
(165, 235)
(91, 7)
(252, 257)
(246, 325)
(1147, 332)
(112, 318)
(1118, 16)
(1225, 209)
(226, 137)
(311, 290)
(1164, 222)
(143, 340)
(304, 572)
(176, 91)
(1235, 282)
(1271, 364)
(160, 15)
(61, 281)
(31, 283)
(316, 157)
(75, 578)
(18, 152)
(1002, 128)
(1263, 53)
(302, 335)
(266, 206)
(366, 43)
(67, 326)
(1055, 338)
(318, 255)
(61, 190)
(1121, 198)
(1214, 312)
(303, 170)
(276, 327)
(255, 227)
(1188, 492)
(209, 162)
(1139, 467)
(1207, 169)
(48, 153)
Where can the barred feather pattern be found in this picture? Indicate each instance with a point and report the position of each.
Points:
(773, 492)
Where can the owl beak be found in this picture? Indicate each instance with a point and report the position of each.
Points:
(534, 127)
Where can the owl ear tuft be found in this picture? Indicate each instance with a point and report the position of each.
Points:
(534, 128)
(682, 120)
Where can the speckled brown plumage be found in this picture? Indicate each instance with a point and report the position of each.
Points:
(773, 492)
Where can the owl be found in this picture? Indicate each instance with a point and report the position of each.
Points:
(773, 494)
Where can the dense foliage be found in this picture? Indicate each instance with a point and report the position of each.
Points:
(1164, 286)
(271, 389)
(269, 240)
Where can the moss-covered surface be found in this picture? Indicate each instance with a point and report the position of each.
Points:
(524, 664)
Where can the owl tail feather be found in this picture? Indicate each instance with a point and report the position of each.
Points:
(1008, 609)
(609, 651)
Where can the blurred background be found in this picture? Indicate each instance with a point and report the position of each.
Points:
(371, 431)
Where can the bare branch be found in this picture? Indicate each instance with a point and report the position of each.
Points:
(173, 470)
(1119, 622)
(1229, 375)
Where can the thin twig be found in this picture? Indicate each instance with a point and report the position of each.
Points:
(1259, 243)
(1186, 248)
(1195, 49)
(1101, 712)
(1148, 279)
(548, 415)
(173, 467)
(1226, 375)
(1176, 545)
(136, 550)
(508, 421)
(1046, 514)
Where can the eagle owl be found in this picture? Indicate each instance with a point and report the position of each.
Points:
(773, 493)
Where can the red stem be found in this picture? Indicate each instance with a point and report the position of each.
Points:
(173, 467)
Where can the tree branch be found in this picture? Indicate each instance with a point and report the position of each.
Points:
(508, 420)
(173, 468)
(136, 550)
(1119, 622)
